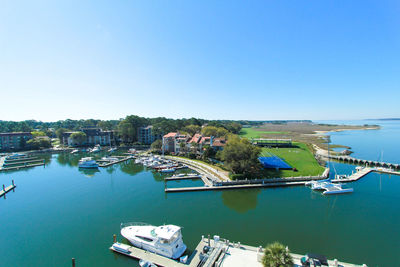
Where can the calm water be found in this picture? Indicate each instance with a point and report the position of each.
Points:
(59, 212)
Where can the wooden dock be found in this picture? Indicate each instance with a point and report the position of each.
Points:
(230, 187)
(21, 167)
(360, 174)
(187, 177)
(7, 189)
(22, 163)
(115, 162)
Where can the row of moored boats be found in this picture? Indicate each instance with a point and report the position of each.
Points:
(158, 163)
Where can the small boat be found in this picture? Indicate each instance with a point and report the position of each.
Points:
(121, 248)
(168, 170)
(144, 263)
(319, 185)
(74, 151)
(96, 149)
(112, 149)
(88, 163)
(165, 240)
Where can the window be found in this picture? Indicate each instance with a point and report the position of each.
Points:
(145, 238)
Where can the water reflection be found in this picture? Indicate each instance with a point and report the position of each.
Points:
(68, 159)
(241, 200)
(89, 173)
(129, 167)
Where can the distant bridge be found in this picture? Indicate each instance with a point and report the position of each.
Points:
(369, 163)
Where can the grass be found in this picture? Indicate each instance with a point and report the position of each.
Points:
(253, 133)
(299, 157)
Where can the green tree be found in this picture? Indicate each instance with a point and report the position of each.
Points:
(78, 138)
(240, 156)
(38, 133)
(60, 132)
(126, 131)
(156, 145)
(192, 129)
(276, 255)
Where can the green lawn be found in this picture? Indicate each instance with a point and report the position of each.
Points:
(253, 133)
(300, 158)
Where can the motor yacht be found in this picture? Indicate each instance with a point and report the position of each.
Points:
(88, 163)
(74, 151)
(165, 240)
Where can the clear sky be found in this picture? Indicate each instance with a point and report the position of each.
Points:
(256, 60)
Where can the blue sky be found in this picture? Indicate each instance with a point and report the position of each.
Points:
(258, 60)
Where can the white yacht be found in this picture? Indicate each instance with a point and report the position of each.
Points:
(168, 170)
(112, 149)
(88, 163)
(74, 151)
(96, 149)
(164, 240)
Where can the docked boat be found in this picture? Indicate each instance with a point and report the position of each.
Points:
(165, 240)
(336, 189)
(74, 151)
(96, 149)
(144, 263)
(88, 163)
(112, 149)
(319, 185)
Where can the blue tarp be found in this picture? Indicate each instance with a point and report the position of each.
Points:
(273, 163)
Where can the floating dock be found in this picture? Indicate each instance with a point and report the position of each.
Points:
(21, 167)
(7, 189)
(137, 253)
(115, 162)
(360, 174)
(186, 177)
(230, 187)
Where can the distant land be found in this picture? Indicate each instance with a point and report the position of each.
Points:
(385, 119)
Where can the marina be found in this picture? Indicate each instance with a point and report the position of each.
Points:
(298, 217)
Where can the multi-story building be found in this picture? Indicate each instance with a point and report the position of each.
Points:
(172, 142)
(94, 136)
(146, 135)
(14, 141)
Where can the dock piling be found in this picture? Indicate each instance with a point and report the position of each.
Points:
(115, 238)
(73, 262)
(209, 240)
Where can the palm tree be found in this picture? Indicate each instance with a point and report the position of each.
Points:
(277, 255)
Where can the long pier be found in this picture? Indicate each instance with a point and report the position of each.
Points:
(363, 172)
(186, 177)
(230, 187)
(7, 189)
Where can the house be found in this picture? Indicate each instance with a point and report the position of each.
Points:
(14, 141)
(201, 141)
(172, 142)
(146, 136)
(94, 136)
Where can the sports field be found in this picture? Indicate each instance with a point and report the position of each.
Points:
(299, 157)
(253, 133)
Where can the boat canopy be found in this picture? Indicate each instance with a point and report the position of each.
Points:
(167, 231)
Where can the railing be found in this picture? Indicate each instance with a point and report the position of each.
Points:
(134, 224)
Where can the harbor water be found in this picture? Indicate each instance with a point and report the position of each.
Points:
(59, 212)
